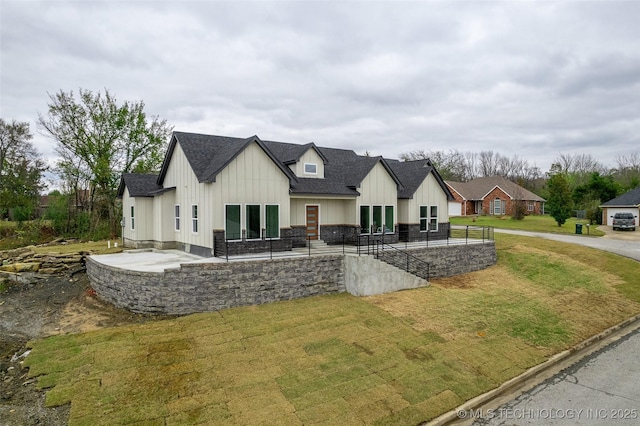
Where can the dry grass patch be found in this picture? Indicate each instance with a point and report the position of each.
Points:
(400, 358)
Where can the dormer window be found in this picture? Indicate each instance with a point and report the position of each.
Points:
(310, 169)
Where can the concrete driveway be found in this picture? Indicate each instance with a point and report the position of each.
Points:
(624, 243)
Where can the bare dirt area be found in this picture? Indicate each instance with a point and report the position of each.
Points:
(44, 307)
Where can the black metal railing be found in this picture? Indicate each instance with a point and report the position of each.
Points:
(360, 244)
(404, 260)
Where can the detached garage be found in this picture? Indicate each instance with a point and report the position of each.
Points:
(626, 203)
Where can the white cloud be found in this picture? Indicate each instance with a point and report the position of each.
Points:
(527, 78)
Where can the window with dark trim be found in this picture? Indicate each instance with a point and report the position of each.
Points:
(133, 219)
(177, 217)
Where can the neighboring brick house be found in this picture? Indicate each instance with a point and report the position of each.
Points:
(628, 202)
(218, 195)
(493, 195)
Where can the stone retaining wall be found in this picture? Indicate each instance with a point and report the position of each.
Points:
(214, 286)
(445, 261)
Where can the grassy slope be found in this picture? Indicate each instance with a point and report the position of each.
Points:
(529, 223)
(399, 358)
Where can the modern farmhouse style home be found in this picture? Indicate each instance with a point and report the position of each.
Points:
(219, 195)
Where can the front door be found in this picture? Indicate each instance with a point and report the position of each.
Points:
(312, 222)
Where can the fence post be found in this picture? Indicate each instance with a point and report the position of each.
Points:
(271, 248)
(309, 243)
(226, 248)
(466, 236)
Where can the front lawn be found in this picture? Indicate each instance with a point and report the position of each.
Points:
(533, 223)
(399, 358)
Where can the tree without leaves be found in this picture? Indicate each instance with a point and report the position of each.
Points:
(462, 167)
(628, 170)
(21, 170)
(98, 140)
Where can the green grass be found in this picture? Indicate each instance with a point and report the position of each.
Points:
(399, 358)
(533, 223)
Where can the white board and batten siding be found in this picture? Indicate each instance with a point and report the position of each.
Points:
(251, 178)
(309, 157)
(143, 217)
(188, 192)
(378, 188)
(332, 211)
(429, 193)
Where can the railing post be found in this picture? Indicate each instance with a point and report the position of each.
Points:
(309, 243)
(271, 248)
(226, 249)
(466, 236)
(343, 243)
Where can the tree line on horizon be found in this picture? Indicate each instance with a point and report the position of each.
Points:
(98, 139)
(575, 182)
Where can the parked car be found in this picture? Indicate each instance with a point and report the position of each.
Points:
(624, 221)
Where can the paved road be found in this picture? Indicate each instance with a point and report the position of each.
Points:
(602, 388)
(629, 247)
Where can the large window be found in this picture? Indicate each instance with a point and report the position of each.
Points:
(389, 223)
(232, 222)
(194, 218)
(272, 221)
(365, 219)
(428, 218)
(377, 219)
(252, 221)
(177, 217)
(133, 218)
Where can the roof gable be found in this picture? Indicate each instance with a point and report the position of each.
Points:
(139, 185)
(208, 155)
(413, 173)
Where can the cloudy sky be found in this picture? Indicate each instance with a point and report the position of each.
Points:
(527, 78)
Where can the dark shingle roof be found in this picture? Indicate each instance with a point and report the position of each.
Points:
(208, 155)
(628, 199)
(139, 185)
(413, 173)
(477, 189)
(344, 169)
